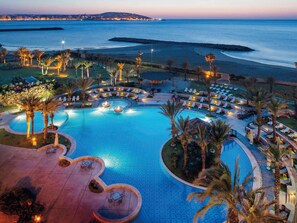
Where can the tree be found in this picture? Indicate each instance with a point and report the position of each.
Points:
(127, 72)
(66, 58)
(98, 77)
(83, 85)
(30, 56)
(249, 84)
(169, 64)
(185, 66)
(22, 53)
(120, 68)
(207, 83)
(29, 103)
(215, 71)
(47, 107)
(113, 73)
(275, 153)
(220, 189)
(47, 63)
(254, 207)
(184, 136)
(76, 66)
(201, 137)
(69, 89)
(87, 65)
(219, 132)
(38, 55)
(274, 107)
(210, 58)
(138, 62)
(270, 81)
(3, 54)
(59, 63)
(171, 110)
(258, 99)
(199, 72)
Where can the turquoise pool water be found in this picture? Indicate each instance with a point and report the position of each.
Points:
(130, 143)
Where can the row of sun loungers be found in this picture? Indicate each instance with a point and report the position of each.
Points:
(109, 89)
(64, 99)
(190, 90)
(223, 87)
(201, 106)
(285, 130)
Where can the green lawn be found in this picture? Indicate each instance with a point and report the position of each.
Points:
(290, 122)
(11, 139)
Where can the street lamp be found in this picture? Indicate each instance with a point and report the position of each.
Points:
(63, 44)
(152, 50)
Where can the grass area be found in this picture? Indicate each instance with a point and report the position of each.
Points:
(11, 139)
(290, 122)
(7, 75)
(169, 154)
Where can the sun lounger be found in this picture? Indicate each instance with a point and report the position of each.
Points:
(293, 135)
(219, 111)
(211, 88)
(202, 99)
(225, 105)
(235, 89)
(51, 150)
(269, 123)
(219, 103)
(286, 181)
(127, 95)
(219, 96)
(194, 91)
(279, 126)
(64, 99)
(211, 102)
(186, 89)
(118, 94)
(109, 94)
(86, 164)
(108, 89)
(200, 106)
(226, 98)
(233, 100)
(283, 170)
(285, 130)
(129, 89)
(60, 99)
(184, 104)
(190, 91)
(77, 97)
(193, 105)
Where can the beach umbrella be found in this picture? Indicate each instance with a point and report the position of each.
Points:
(56, 142)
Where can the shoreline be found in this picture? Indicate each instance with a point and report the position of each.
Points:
(32, 29)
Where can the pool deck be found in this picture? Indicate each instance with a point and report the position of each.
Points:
(63, 190)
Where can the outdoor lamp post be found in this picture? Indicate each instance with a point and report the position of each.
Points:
(152, 51)
(63, 44)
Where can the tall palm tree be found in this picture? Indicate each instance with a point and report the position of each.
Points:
(275, 153)
(171, 110)
(127, 72)
(22, 54)
(98, 77)
(185, 66)
(30, 56)
(270, 81)
(184, 136)
(221, 188)
(48, 106)
(87, 65)
(138, 62)
(254, 207)
(258, 99)
(30, 104)
(47, 63)
(59, 64)
(76, 66)
(113, 74)
(274, 107)
(3, 54)
(66, 58)
(210, 58)
(207, 83)
(199, 72)
(201, 137)
(38, 55)
(69, 89)
(83, 85)
(120, 68)
(249, 84)
(219, 132)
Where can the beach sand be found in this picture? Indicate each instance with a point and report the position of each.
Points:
(195, 56)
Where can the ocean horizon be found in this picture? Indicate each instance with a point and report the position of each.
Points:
(274, 41)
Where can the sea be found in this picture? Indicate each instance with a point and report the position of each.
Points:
(274, 41)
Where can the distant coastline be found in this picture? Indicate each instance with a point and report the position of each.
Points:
(31, 29)
(226, 47)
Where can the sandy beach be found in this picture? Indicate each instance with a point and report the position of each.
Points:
(180, 53)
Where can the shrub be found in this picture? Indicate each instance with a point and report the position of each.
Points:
(95, 187)
(64, 163)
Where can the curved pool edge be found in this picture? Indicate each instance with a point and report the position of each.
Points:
(257, 180)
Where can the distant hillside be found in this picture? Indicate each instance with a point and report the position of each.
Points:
(114, 16)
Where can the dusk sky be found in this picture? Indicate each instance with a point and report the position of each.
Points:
(159, 8)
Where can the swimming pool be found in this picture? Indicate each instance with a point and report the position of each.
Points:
(129, 143)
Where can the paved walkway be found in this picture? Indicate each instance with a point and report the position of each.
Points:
(63, 190)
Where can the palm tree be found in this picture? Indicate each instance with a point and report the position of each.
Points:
(22, 54)
(249, 84)
(138, 64)
(210, 58)
(66, 58)
(184, 136)
(113, 73)
(3, 54)
(171, 110)
(38, 55)
(29, 104)
(219, 132)
(87, 65)
(270, 81)
(120, 68)
(47, 64)
(98, 77)
(76, 66)
(274, 107)
(207, 83)
(199, 72)
(185, 66)
(60, 62)
(69, 89)
(201, 137)
(275, 153)
(127, 72)
(258, 99)
(254, 207)
(30, 55)
(215, 71)
(47, 107)
(220, 189)
(83, 85)
(169, 64)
